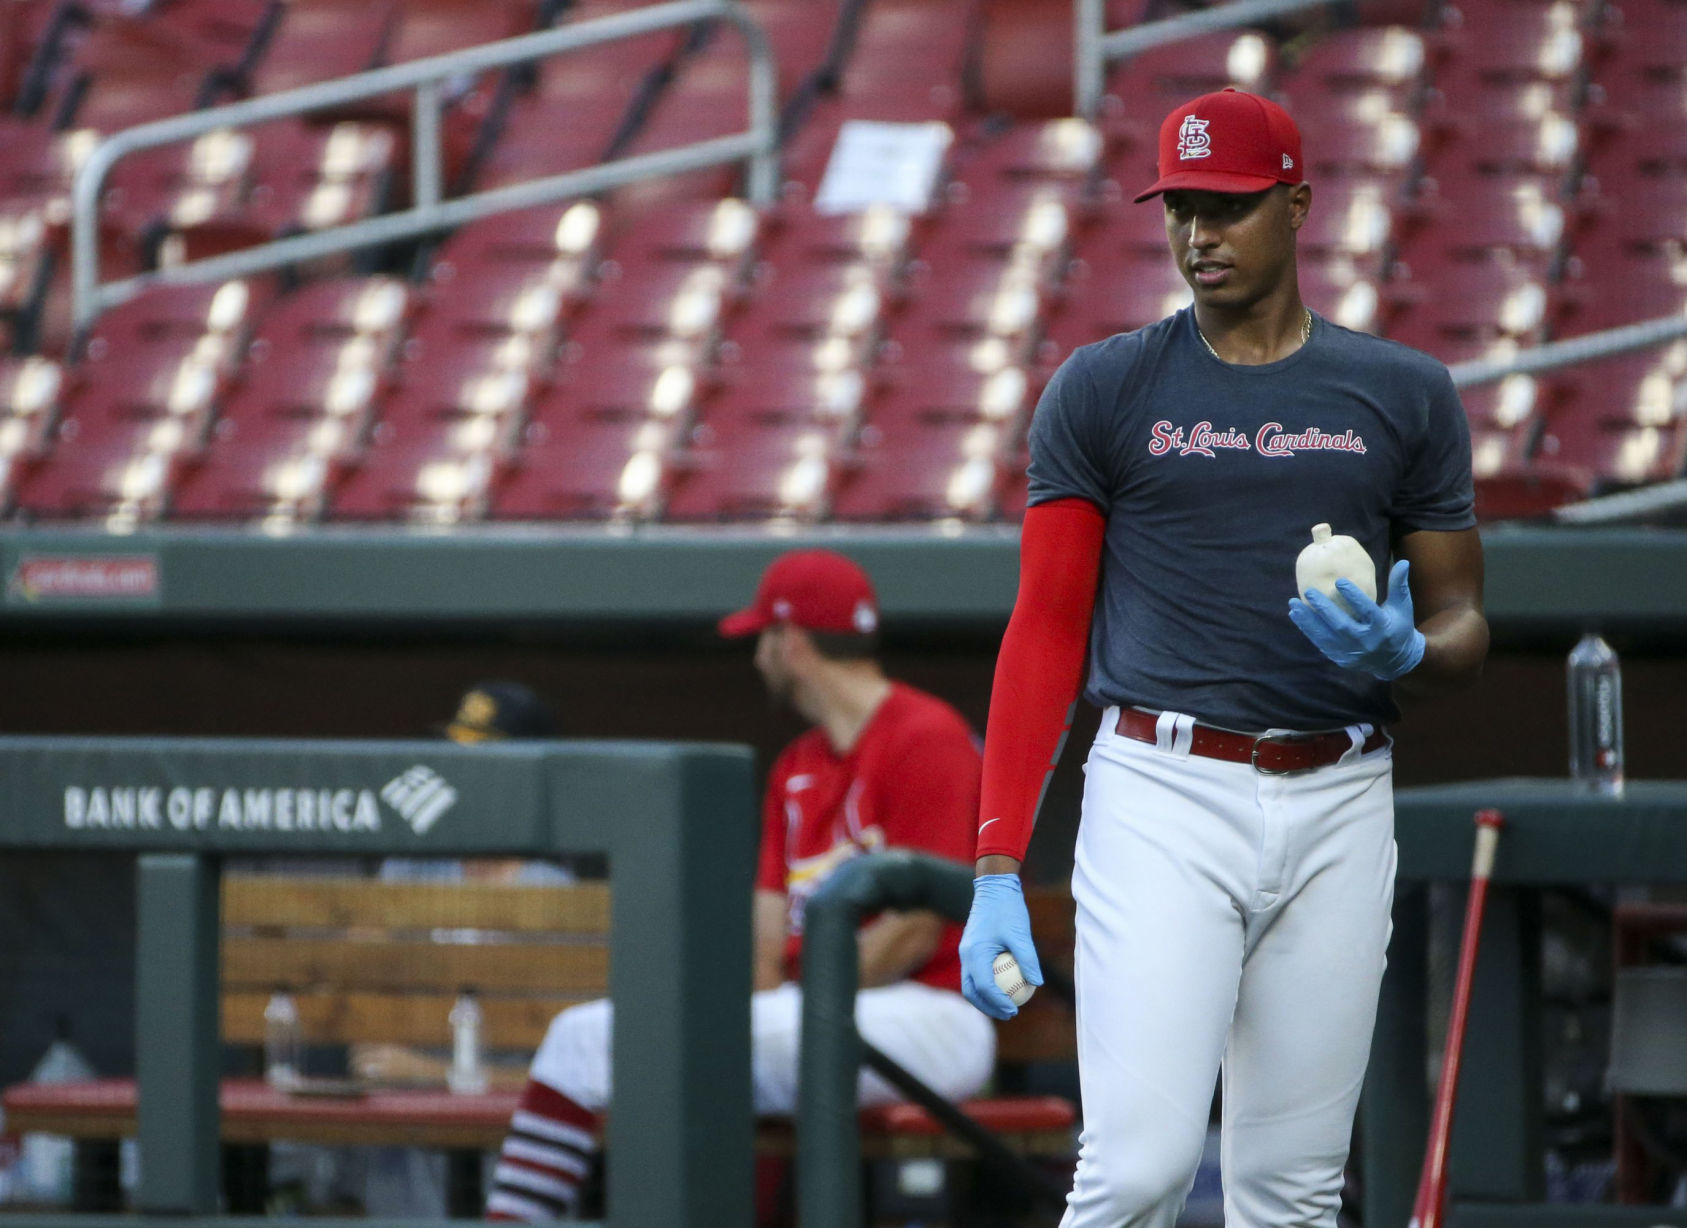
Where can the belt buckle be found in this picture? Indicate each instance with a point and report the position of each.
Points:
(1278, 739)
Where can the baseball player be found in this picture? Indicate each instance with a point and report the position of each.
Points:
(1235, 859)
(884, 766)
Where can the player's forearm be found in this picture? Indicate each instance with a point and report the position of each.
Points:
(897, 945)
(996, 863)
(768, 940)
(1455, 646)
(1039, 669)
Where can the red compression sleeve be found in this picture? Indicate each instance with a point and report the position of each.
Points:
(1039, 668)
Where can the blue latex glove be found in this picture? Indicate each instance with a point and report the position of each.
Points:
(998, 922)
(1380, 639)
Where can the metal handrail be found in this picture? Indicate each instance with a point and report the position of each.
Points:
(758, 145)
(1095, 46)
(1606, 343)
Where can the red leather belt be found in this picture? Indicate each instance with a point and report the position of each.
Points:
(1275, 754)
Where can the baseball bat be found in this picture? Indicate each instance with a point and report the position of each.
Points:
(1430, 1206)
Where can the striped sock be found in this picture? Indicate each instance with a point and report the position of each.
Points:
(545, 1157)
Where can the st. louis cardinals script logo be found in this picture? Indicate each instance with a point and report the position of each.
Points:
(1203, 439)
(1192, 139)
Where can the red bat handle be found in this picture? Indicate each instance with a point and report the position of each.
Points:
(1430, 1206)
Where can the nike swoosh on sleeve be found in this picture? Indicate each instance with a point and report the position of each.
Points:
(987, 822)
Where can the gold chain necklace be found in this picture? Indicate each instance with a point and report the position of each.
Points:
(1305, 333)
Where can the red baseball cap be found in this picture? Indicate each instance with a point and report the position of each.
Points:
(1227, 142)
(818, 590)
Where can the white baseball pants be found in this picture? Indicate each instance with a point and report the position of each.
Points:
(933, 1033)
(1225, 917)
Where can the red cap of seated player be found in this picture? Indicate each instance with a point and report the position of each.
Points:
(1227, 142)
(818, 590)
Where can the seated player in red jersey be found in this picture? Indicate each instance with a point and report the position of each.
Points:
(883, 766)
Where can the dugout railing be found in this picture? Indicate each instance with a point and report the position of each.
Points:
(677, 823)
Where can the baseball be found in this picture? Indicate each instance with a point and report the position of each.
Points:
(1008, 980)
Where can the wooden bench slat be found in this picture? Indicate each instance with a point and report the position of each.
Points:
(326, 963)
(399, 1019)
(341, 903)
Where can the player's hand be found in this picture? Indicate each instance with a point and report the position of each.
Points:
(998, 922)
(1382, 640)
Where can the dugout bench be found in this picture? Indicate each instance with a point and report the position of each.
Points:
(380, 962)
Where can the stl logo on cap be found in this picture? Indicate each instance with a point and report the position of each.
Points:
(1260, 146)
(1192, 139)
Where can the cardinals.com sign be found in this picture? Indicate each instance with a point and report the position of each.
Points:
(120, 578)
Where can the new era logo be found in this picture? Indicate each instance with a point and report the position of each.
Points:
(420, 795)
(1288, 163)
(1192, 139)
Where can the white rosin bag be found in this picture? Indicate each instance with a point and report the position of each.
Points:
(1331, 557)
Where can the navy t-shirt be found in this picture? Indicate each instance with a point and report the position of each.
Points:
(1211, 476)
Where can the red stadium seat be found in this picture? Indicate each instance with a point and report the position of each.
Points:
(374, 310)
(803, 34)
(1385, 62)
(1031, 226)
(1515, 40)
(581, 467)
(165, 324)
(1470, 300)
(529, 236)
(748, 468)
(924, 470)
(788, 387)
(1530, 490)
(974, 300)
(1349, 219)
(1141, 89)
(723, 232)
(880, 237)
(1479, 216)
(812, 301)
(1110, 294)
(1338, 289)
(1358, 137)
(274, 469)
(435, 27)
(908, 54)
(115, 474)
(436, 448)
(29, 402)
(142, 400)
(293, 393)
(1058, 151)
(945, 388)
(1625, 418)
(303, 407)
(1623, 287)
(318, 40)
(660, 299)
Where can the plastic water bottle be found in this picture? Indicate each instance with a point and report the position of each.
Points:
(281, 1041)
(1596, 716)
(467, 1072)
(46, 1162)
